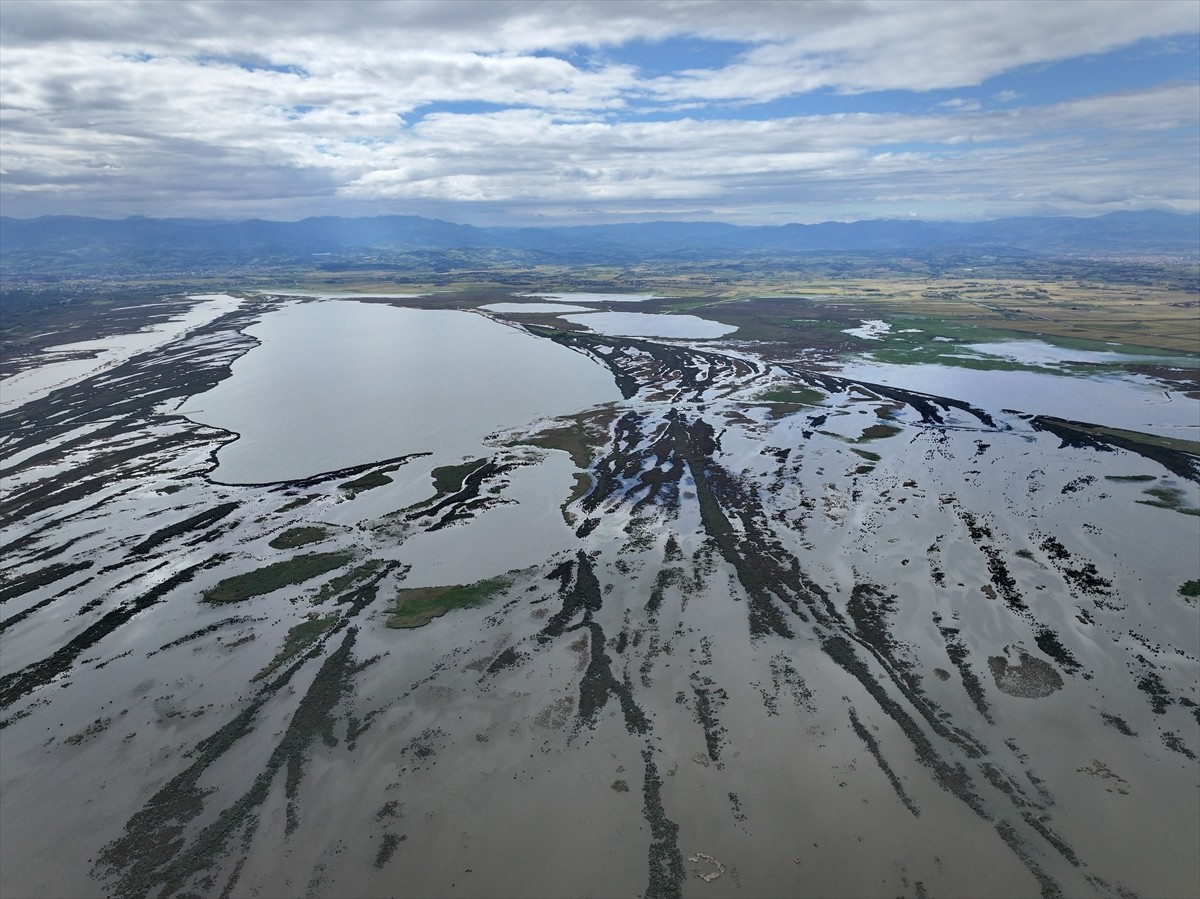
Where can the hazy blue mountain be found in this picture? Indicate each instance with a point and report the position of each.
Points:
(63, 245)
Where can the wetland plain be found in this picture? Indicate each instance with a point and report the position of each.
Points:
(376, 589)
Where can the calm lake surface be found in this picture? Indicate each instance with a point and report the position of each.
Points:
(1122, 401)
(648, 324)
(335, 384)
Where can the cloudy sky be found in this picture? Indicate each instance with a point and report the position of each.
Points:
(561, 112)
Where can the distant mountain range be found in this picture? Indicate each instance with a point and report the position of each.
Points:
(67, 245)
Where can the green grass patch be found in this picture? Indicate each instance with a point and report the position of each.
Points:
(449, 479)
(293, 538)
(1176, 444)
(420, 605)
(377, 478)
(782, 410)
(804, 396)
(879, 432)
(369, 481)
(1190, 589)
(344, 582)
(298, 639)
(583, 483)
(1130, 478)
(869, 456)
(576, 439)
(273, 577)
(1168, 498)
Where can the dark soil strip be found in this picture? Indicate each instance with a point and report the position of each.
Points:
(16, 619)
(926, 404)
(336, 474)
(196, 522)
(582, 591)
(873, 748)
(204, 631)
(599, 683)
(151, 856)
(459, 503)
(1092, 436)
(20, 683)
(665, 860)
(41, 578)
(959, 655)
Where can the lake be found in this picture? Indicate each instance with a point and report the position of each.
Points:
(645, 324)
(1124, 401)
(338, 383)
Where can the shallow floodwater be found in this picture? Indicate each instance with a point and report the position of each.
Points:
(596, 297)
(336, 294)
(533, 307)
(1134, 403)
(869, 330)
(1037, 352)
(109, 351)
(336, 384)
(644, 324)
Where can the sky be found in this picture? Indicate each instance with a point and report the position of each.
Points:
(523, 113)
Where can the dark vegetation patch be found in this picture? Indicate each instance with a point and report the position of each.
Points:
(369, 481)
(665, 862)
(1048, 642)
(959, 655)
(1077, 484)
(1168, 498)
(203, 632)
(879, 432)
(298, 638)
(1190, 589)
(458, 493)
(1084, 577)
(275, 576)
(43, 577)
(449, 479)
(152, 857)
(342, 582)
(376, 478)
(387, 847)
(580, 593)
(510, 658)
(294, 538)
(1030, 677)
(709, 698)
(1173, 742)
(418, 606)
(1180, 457)
(1154, 688)
(579, 437)
(873, 747)
(801, 396)
(24, 681)
(195, 523)
(1118, 723)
